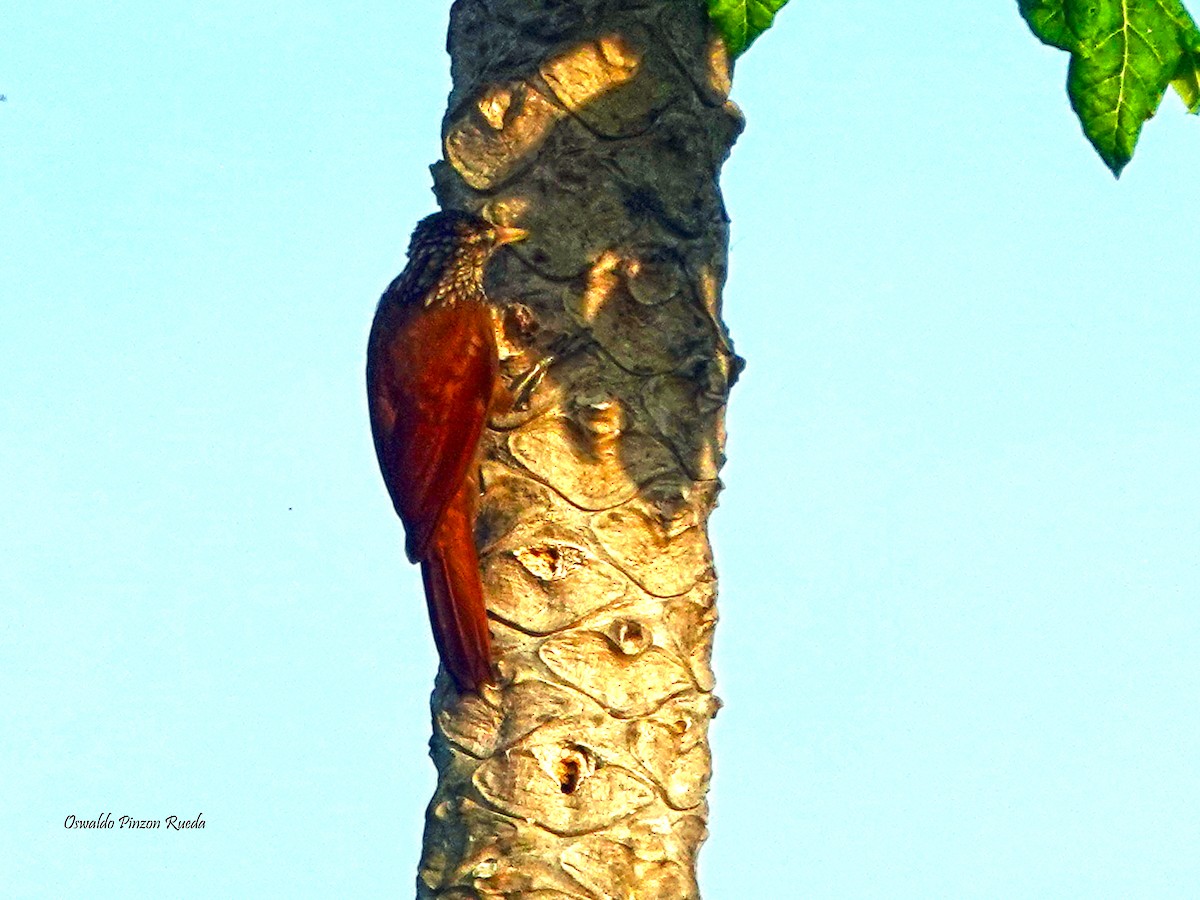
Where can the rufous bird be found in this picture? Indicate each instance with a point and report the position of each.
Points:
(432, 382)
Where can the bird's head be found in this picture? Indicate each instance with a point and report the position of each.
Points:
(451, 230)
(448, 253)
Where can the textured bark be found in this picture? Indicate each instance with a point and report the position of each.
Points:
(600, 126)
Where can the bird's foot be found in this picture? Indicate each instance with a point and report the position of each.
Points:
(523, 387)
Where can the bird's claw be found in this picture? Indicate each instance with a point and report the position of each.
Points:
(525, 385)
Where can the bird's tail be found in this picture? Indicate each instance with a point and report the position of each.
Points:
(454, 592)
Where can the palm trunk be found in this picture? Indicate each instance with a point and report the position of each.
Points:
(600, 126)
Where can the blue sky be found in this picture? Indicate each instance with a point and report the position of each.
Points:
(960, 537)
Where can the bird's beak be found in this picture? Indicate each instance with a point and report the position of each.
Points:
(508, 234)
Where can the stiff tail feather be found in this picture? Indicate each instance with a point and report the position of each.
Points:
(454, 593)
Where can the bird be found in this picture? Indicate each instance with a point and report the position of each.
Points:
(433, 380)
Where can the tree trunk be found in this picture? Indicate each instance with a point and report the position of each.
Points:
(600, 126)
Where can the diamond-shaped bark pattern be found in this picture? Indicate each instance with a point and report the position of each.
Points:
(600, 128)
(547, 785)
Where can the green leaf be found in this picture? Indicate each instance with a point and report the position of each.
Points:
(1048, 20)
(741, 21)
(1187, 81)
(1124, 53)
(1187, 77)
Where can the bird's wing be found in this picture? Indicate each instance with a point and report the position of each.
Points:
(430, 387)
